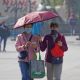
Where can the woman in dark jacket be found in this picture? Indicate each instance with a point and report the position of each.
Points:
(54, 65)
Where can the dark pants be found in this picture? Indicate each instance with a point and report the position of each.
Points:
(25, 70)
(4, 43)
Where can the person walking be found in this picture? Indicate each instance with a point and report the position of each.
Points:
(72, 20)
(0, 43)
(29, 43)
(53, 64)
(4, 34)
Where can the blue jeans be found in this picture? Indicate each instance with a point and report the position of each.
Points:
(24, 67)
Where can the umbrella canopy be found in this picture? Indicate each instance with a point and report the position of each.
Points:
(36, 28)
(34, 17)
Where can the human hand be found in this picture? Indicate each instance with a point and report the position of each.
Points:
(28, 44)
(40, 38)
(59, 43)
(34, 46)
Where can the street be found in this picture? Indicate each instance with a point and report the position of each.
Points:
(9, 69)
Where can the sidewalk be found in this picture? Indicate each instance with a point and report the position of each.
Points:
(9, 69)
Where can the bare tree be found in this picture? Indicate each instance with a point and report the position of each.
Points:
(72, 6)
(30, 8)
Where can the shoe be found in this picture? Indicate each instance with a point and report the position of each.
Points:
(4, 50)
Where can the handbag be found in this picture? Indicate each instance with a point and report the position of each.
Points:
(37, 68)
(56, 51)
(24, 54)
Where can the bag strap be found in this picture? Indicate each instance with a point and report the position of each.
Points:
(40, 56)
(59, 37)
(28, 39)
(54, 37)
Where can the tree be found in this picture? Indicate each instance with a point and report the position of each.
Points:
(72, 6)
(29, 5)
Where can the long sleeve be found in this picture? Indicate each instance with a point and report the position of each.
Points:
(18, 45)
(64, 44)
(43, 44)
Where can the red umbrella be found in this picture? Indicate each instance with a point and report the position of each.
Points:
(35, 17)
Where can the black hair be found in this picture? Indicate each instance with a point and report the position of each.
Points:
(54, 25)
(30, 25)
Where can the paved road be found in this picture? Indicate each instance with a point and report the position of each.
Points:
(9, 69)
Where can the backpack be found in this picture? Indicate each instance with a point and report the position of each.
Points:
(56, 50)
